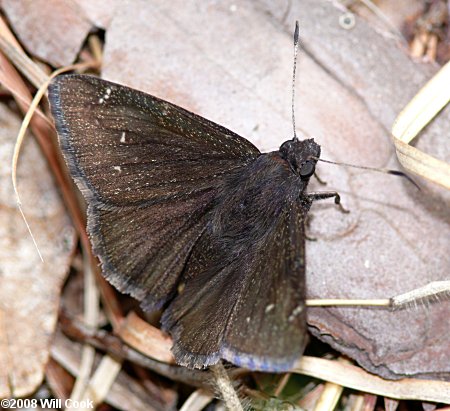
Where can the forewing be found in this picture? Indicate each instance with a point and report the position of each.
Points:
(250, 312)
(149, 171)
(125, 147)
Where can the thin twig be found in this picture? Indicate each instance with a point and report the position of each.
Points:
(225, 387)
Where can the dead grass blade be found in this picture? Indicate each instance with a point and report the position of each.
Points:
(351, 376)
(430, 100)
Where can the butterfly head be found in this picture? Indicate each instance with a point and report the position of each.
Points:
(301, 155)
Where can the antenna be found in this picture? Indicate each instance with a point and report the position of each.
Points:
(296, 41)
(380, 170)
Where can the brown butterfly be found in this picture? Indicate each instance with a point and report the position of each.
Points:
(176, 199)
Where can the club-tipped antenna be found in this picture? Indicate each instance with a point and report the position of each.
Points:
(380, 170)
(296, 41)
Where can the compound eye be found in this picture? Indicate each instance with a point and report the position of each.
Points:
(307, 169)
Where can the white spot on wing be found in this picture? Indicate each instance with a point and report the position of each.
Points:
(122, 137)
(118, 168)
(297, 310)
(106, 96)
(269, 308)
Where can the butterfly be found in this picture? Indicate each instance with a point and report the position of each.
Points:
(187, 216)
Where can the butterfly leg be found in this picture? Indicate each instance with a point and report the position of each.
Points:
(322, 182)
(309, 238)
(328, 194)
(306, 224)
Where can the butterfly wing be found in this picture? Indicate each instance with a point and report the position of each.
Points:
(278, 318)
(149, 171)
(235, 296)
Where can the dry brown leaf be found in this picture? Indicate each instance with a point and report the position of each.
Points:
(52, 30)
(96, 11)
(29, 296)
(231, 62)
